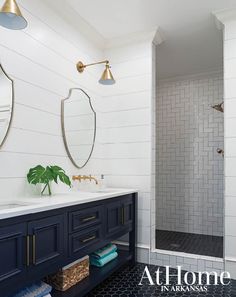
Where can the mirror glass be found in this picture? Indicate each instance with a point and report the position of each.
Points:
(6, 104)
(78, 126)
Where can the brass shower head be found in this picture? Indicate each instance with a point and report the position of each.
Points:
(219, 107)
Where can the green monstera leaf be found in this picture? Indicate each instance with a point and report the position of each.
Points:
(58, 172)
(39, 174)
(42, 175)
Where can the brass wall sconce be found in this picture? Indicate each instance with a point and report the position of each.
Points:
(11, 16)
(106, 78)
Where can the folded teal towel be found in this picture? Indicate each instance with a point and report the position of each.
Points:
(107, 250)
(36, 290)
(102, 261)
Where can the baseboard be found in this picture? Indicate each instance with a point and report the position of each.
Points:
(143, 251)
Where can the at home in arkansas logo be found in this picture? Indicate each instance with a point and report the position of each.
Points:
(183, 281)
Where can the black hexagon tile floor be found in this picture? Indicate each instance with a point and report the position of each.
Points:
(125, 284)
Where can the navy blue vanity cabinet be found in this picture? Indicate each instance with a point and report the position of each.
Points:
(85, 230)
(35, 245)
(46, 241)
(128, 212)
(84, 218)
(113, 218)
(13, 252)
(84, 242)
(119, 215)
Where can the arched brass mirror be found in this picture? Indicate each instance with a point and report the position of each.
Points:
(6, 104)
(78, 120)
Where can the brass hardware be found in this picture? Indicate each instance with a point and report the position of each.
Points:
(123, 216)
(11, 16)
(81, 66)
(219, 107)
(220, 152)
(88, 239)
(84, 177)
(27, 250)
(34, 249)
(106, 78)
(89, 219)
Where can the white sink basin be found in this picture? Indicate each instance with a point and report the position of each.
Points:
(104, 191)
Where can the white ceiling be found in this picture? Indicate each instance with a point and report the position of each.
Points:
(193, 44)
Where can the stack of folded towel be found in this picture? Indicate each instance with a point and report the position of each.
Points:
(39, 289)
(104, 255)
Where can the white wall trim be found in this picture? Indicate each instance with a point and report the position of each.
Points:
(223, 16)
(139, 245)
(159, 37)
(154, 35)
(192, 76)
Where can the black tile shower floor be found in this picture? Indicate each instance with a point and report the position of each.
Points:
(124, 283)
(190, 243)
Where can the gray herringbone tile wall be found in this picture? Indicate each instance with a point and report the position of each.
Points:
(189, 181)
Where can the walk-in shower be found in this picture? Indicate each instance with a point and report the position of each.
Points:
(189, 164)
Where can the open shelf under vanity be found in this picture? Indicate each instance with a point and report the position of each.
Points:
(97, 275)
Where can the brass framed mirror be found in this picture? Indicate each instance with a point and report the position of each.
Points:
(6, 104)
(78, 121)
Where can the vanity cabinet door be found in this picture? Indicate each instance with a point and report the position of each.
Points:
(13, 251)
(114, 220)
(127, 212)
(47, 240)
(119, 217)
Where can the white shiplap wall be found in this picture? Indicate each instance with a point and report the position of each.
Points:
(126, 126)
(41, 60)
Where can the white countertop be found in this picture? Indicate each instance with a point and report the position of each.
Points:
(36, 204)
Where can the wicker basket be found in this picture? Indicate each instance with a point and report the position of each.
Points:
(69, 275)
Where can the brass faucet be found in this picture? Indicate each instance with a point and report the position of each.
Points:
(84, 177)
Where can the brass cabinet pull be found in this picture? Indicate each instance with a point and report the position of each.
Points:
(34, 249)
(88, 239)
(27, 251)
(89, 219)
